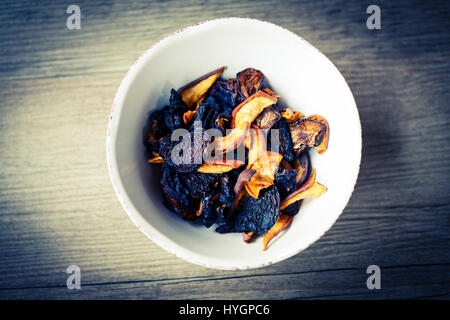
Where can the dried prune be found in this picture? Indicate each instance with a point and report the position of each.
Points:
(285, 182)
(200, 184)
(186, 153)
(259, 215)
(173, 113)
(280, 140)
(154, 130)
(207, 178)
(225, 94)
(176, 196)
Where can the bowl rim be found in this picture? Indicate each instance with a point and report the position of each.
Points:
(121, 193)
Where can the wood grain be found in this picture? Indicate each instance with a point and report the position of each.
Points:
(57, 206)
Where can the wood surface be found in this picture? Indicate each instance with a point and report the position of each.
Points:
(57, 205)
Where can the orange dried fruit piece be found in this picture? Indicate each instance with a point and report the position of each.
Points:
(242, 117)
(247, 236)
(291, 116)
(192, 92)
(323, 146)
(311, 188)
(282, 222)
(156, 158)
(247, 111)
(220, 166)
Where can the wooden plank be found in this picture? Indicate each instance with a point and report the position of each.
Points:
(57, 206)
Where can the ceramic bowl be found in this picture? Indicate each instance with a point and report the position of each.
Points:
(306, 81)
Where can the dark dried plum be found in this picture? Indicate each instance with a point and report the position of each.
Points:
(259, 215)
(280, 141)
(293, 208)
(225, 94)
(185, 154)
(176, 196)
(285, 182)
(200, 184)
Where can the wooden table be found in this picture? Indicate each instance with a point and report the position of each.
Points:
(58, 208)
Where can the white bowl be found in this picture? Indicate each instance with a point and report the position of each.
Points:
(306, 80)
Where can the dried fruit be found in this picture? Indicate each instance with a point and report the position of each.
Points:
(252, 180)
(282, 222)
(323, 146)
(306, 133)
(193, 91)
(259, 215)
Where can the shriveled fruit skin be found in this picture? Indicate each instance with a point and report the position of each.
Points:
(259, 215)
(176, 196)
(225, 94)
(173, 113)
(268, 118)
(284, 142)
(191, 157)
(306, 133)
(285, 182)
(200, 184)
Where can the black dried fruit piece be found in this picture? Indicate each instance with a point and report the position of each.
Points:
(207, 114)
(259, 215)
(226, 195)
(285, 182)
(306, 133)
(186, 154)
(293, 208)
(173, 113)
(224, 92)
(268, 118)
(176, 196)
(209, 215)
(200, 184)
(154, 130)
(280, 141)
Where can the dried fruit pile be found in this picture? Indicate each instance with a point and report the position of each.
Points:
(257, 193)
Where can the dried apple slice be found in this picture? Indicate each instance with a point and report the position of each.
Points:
(291, 116)
(310, 189)
(156, 158)
(249, 109)
(214, 168)
(323, 146)
(282, 222)
(192, 92)
(266, 166)
(243, 115)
